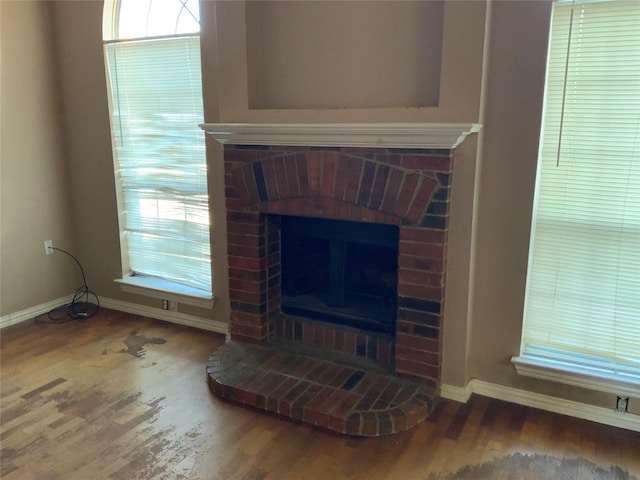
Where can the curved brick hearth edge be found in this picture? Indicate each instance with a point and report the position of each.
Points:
(344, 399)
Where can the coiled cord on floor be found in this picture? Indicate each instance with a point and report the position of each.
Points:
(84, 305)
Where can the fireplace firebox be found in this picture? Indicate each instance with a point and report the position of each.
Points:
(340, 272)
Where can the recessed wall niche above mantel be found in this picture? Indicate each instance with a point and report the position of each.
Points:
(327, 55)
(378, 62)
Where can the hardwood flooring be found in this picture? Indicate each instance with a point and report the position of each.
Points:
(125, 397)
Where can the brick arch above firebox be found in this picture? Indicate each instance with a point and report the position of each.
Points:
(393, 186)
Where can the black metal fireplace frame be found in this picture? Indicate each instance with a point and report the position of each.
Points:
(378, 313)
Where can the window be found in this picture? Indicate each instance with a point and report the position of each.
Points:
(582, 307)
(152, 54)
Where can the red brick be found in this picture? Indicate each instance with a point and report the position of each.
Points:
(417, 277)
(256, 331)
(406, 194)
(369, 424)
(245, 216)
(248, 297)
(329, 340)
(421, 200)
(341, 177)
(303, 178)
(313, 169)
(363, 214)
(421, 249)
(246, 252)
(394, 159)
(279, 329)
(391, 194)
(250, 182)
(365, 385)
(244, 396)
(399, 420)
(353, 424)
(416, 262)
(324, 396)
(329, 374)
(379, 186)
(292, 175)
(247, 319)
(384, 352)
(344, 211)
(388, 219)
(247, 263)
(354, 173)
(328, 173)
(281, 177)
(303, 366)
(349, 342)
(425, 235)
(416, 355)
(243, 274)
(417, 368)
(420, 291)
(247, 285)
(248, 339)
(233, 204)
(280, 391)
(365, 403)
(270, 179)
(240, 186)
(244, 155)
(245, 240)
(341, 377)
(245, 228)
(342, 411)
(421, 343)
(427, 162)
(323, 419)
(316, 371)
(318, 334)
(307, 333)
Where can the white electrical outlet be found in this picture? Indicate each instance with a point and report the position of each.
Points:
(165, 304)
(622, 404)
(48, 247)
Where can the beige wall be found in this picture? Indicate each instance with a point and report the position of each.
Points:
(35, 188)
(493, 76)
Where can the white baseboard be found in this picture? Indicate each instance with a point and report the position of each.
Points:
(32, 312)
(571, 408)
(457, 394)
(166, 315)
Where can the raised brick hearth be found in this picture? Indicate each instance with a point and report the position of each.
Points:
(406, 187)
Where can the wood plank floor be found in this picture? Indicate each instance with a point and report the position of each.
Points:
(125, 397)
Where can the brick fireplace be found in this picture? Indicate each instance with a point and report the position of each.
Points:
(363, 174)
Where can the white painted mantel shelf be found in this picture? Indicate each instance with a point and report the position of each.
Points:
(384, 135)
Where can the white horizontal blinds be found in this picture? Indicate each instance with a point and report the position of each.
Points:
(583, 290)
(160, 166)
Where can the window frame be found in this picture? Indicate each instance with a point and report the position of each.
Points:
(572, 368)
(144, 285)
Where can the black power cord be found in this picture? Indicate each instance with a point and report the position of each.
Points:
(84, 305)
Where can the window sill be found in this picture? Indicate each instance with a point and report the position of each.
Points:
(163, 289)
(580, 375)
